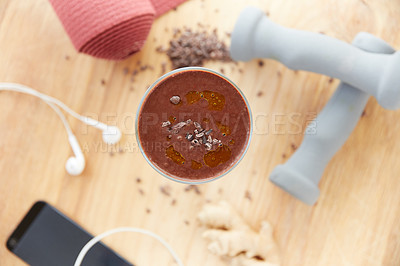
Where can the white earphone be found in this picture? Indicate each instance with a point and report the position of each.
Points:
(75, 164)
(98, 238)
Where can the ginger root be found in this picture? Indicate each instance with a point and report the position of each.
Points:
(232, 239)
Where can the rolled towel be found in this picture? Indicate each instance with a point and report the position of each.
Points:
(110, 29)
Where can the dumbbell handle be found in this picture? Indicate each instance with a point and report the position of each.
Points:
(301, 174)
(255, 36)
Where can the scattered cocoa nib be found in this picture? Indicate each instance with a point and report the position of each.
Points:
(175, 99)
(248, 196)
(193, 187)
(260, 63)
(186, 222)
(197, 125)
(141, 191)
(148, 210)
(163, 67)
(176, 128)
(126, 70)
(176, 31)
(190, 48)
(173, 202)
(189, 136)
(165, 124)
(166, 190)
(200, 135)
(294, 147)
(208, 146)
(138, 180)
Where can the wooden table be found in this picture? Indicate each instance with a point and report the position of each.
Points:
(356, 220)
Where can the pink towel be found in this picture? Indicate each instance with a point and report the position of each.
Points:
(110, 29)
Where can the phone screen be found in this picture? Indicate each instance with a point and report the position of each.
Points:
(46, 237)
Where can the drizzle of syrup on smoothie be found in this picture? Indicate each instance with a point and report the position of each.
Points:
(206, 120)
(171, 119)
(225, 130)
(218, 156)
(174, 155)
(216, 101)
(196, 165)
(177, 105)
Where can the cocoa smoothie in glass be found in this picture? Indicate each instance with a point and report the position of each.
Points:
(193, 125)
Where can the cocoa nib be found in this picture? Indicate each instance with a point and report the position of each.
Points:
(189, 48)
(166, 190)
(175, 99)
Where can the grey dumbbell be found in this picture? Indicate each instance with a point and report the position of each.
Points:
(301, 174)
(255, 36)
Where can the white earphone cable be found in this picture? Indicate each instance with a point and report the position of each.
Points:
(62, 117)
(111, 134)
(46, 98)
(18, 88)
(98, 238)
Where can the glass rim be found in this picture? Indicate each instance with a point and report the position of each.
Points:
(182, 179)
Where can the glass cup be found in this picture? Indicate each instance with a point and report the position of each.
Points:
(162, 171)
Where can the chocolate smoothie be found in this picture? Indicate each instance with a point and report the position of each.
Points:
(193, 125)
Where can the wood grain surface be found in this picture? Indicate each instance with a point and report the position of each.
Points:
(356, 220)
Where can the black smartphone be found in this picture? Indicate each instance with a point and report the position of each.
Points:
(46, 237)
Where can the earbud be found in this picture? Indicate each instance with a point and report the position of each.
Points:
(111, 134)
(75, 164)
